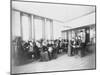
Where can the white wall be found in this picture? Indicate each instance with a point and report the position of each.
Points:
(38, 29)
(15, 24)
(54, 11)
(82, 21)
(57, 27)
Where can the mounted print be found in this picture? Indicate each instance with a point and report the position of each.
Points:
(52, 37)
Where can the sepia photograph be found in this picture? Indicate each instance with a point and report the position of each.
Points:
(52, 37)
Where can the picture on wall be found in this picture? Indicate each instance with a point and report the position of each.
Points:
(52, 37)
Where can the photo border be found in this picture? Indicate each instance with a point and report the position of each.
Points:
(59, 4)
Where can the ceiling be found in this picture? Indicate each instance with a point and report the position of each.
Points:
(58, 12)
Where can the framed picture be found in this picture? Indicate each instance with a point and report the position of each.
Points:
(52, 37)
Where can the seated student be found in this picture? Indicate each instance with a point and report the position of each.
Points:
(30, 51)
(30, 47)
(50, 49)
(40, 46)
(41, 53)
(36, 51)
(26, 48)
(50, 52)
(44, 52)
(54, 52)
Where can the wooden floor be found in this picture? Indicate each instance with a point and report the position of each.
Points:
(63, 62)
